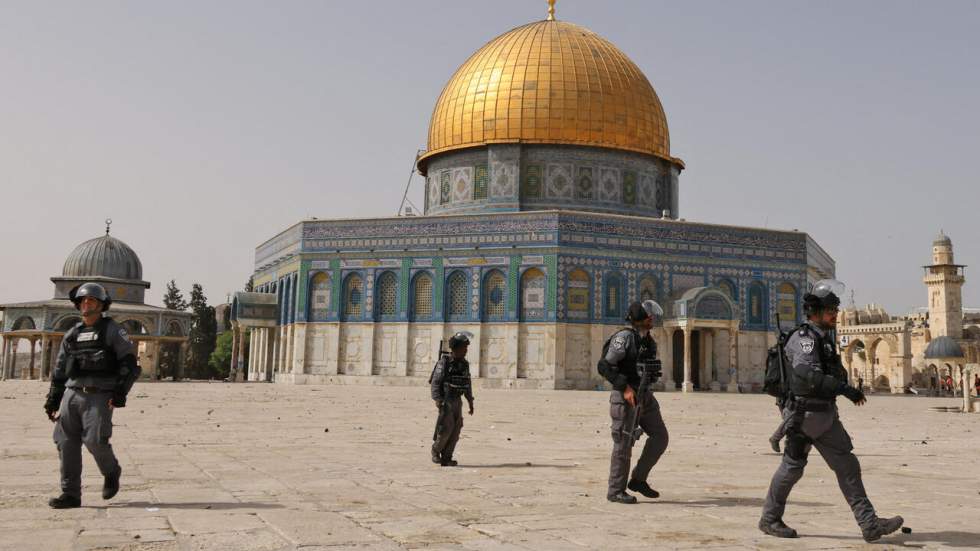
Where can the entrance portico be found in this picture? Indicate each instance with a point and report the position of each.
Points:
(703, 337)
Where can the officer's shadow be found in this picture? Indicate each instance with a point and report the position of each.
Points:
(517, 466)
(214, 505)
(948, 538)
(729, 501)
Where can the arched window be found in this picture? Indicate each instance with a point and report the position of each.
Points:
(457, 295)
(320, 297)
(533, 290)
(614, 296)
(422, 296)
(25, 322)
(579, 294)
(494, 295)
(386, 301)
(786, 299)
(353, 297)
(756, 306)
(648, 288)
(728, 288)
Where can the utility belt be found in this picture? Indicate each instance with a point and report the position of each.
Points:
(804, 405)
(89, 389)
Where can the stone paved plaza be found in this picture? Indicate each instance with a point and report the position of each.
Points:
(269, 467)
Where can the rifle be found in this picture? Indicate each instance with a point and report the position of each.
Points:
(651, 370)
(781, 345)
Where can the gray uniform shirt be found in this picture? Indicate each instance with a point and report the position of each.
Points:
(116, 338)
(804, 355)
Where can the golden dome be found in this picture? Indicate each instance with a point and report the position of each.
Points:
(550, 82)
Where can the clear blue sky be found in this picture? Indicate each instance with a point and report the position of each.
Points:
(204, 128)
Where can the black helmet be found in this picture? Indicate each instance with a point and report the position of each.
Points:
(825, 295)
(459, 339)
(639, 311)
(93, 290)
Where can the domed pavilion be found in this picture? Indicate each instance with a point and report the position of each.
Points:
(113, 264)
(552, 200)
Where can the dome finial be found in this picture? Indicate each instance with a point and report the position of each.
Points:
(551, 10)
(108, 222)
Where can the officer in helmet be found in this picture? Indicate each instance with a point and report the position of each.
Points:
(816, 378)
(624, 355)
(450, 383)
(94, 371)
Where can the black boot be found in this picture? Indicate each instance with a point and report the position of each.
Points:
(436, 457)
(64, 501)
(643, 488)
(776, 528)
(774, 442)
(110, 486)
(449, 462)
(882, 527)
(621, 497)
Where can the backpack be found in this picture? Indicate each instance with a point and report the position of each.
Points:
(776, 381)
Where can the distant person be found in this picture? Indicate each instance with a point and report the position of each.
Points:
(94, 371)
(860, 383)
(976, 384)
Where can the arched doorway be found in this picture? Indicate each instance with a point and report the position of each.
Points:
(678, 348)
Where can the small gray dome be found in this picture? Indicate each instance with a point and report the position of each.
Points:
(942, 239)
(943, 347)
(103, 256)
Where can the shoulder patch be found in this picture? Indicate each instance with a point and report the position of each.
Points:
(806, 345)
(618, 343)
(123, 334)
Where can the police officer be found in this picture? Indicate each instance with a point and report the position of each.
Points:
(450, 382)
(622, 353)
(817, 377)
(95, 369)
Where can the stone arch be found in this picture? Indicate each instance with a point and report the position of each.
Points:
(712, 303)
(66, 322)
(855, 360)
(353, 297)
(386, 295)
(134, 326)
(421, 296)
(174, 329)
(728, 287)
(24, 323)
(534, 286)
(494, 296)
(320, 291)
(579, 294)
(457, 296)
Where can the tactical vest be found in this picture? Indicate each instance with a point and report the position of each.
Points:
(456, 379)
(829, 361)
(89, 353)
(627, 365)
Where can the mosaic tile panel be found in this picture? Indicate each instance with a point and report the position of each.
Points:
(585, 183)
(495, 295)
(533, 289)
(610, 189)
(462, 184)
(629, 187)
(578, 284)
(422, 296)
(532, 181)
(560, 184)
(445, 187)
(504, 182)
(480, 178)
(646, 190)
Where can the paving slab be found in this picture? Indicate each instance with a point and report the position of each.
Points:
(272, 467)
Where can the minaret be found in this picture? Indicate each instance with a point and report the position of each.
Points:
(944, 281)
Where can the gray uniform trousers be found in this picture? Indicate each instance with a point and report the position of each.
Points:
(653, 425)
(84, 418)
(448, 426)
(834, 444)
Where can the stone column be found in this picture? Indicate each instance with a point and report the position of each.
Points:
(45, 357)
(666, 354)
(181, 360)
(238, 355)
(733, 359)
(687, 385)
(967, 383)
(30, 372)
(157, 351)
(270, 353)
(12, 370)
(710, 365)
(3, 359)
(236, 337)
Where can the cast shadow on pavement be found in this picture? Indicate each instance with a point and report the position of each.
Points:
(730, 502)
(214, 506)
(518, 466)
(949, 538)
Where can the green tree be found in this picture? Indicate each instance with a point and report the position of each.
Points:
(250, 284)
(173, 299)
(220, 360)
(204, 333)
